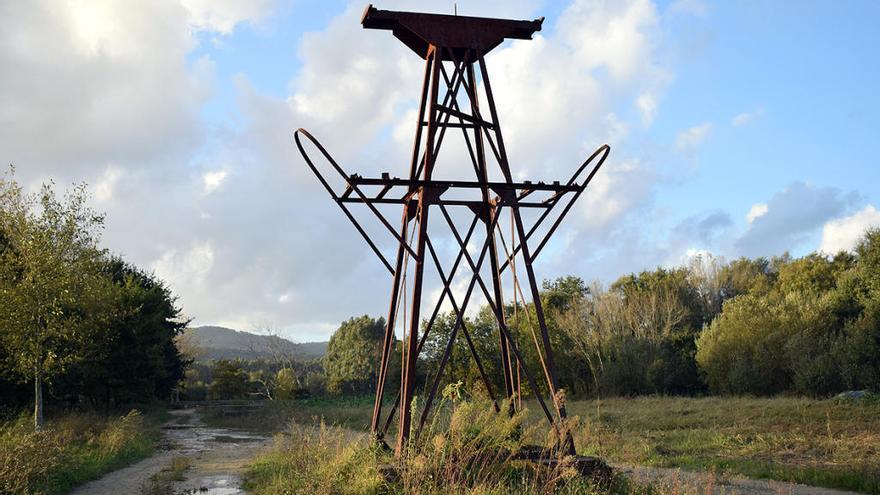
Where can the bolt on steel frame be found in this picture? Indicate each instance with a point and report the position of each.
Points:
(458, 43)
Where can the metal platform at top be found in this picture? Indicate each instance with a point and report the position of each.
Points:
(419, 30)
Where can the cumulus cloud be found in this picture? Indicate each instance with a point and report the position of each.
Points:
(791, 217)
(356, 85)
(842, 234)
(757, 210)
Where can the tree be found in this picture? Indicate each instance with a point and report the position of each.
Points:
(230, 381)
(353, 355)
(286, 384)
(137, 357)
(52, 294)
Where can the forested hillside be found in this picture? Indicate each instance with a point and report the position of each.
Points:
(225, 343)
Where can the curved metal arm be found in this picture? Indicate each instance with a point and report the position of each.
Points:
(355, 188)
(604, 151)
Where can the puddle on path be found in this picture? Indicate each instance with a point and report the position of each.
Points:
(218, 455)
(216, 485)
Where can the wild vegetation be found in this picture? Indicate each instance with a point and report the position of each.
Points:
(803, 326)
(79, 327)
(830, 443)
(84, 335)
(806, 326)
(466, 449)
(69, 450)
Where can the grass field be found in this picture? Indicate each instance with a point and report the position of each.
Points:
(820, 443)
(816, 442)
(71, 450)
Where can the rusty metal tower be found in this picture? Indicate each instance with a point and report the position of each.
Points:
(454, 48)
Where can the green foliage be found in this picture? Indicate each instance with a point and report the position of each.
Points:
(90, 326)
(352, 354)
(230, 381)
(71, 450)
(638, 337)
(814, 330)
(136, 358)
(286, 384)
(53, 297)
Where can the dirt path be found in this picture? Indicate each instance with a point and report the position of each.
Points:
(689, 482)
(217, 457)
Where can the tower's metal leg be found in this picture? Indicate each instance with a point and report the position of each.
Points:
(411, 354)
(493, 251)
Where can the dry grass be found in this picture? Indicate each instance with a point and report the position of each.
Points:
(468, 449)
(816, 442)
(71, 450)
(823, 443)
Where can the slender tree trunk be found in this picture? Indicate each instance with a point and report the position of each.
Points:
(38, 398)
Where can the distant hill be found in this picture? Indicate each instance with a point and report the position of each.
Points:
(226, 343)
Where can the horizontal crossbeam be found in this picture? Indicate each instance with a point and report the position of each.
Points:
(447, 202)
(495, 186)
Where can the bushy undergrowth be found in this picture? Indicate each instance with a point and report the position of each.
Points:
(69, 451)
(468, 448)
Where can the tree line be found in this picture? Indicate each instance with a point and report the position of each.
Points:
(78, 325)
(763, 326)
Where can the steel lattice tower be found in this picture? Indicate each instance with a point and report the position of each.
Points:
(454, 50)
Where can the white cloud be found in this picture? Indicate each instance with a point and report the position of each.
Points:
(223, 15)
(757, 210)
(746, 117)
(187, 269)
(647, 107)
(213, 179)
(842, 234)
(793, 216)
(690, 139)
(105, 186)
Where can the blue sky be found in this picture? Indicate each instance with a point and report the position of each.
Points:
(738, 128)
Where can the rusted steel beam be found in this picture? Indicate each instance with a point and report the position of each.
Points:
(465, 184)
(339, 201)
(419, 31)
(603, 150)
(409, 374)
